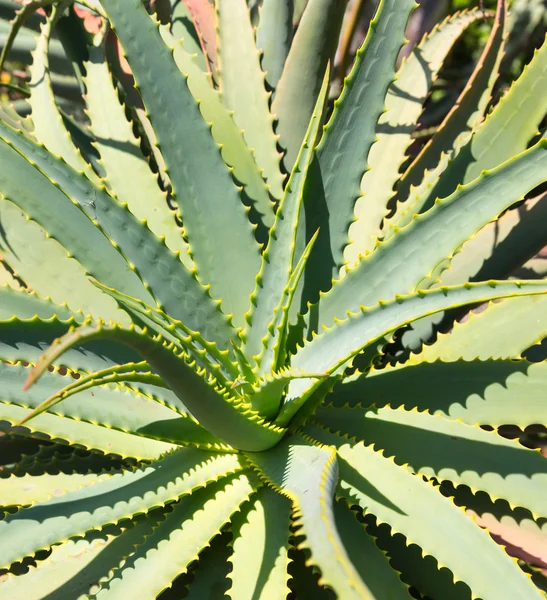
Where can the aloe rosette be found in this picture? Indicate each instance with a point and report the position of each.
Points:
(214, 371)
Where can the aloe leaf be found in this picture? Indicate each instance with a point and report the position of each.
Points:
(228, 417)
(75, 229)
(260, 548)
(308, 476)
(183, 28)
(20, 18)
(25, 338)
(206, 353)
(418, 569)
(278, 258)
(477, 392)
(445, 449)
(513, 527)
(275, 346)
(496, 252)
(118, 497)
(407, 503)
(266, 394)
(212, 572)
(332, 350)
(368, 559)
(451, 222)
(522, 320)
(506, 131)
(273, 36)
(28, 305)
(87, 435)
(201, 181)
(74, 567)
(299, 7)
(49, 128)
(30, 489)
(61, 217)
(342, 154)
(204, 19)
(312, 48)
(242, 85)
(403, 106)
(469, 108)
(177, 540)
(120, 408)
(42, 263)
(227, 134)
(120, 154)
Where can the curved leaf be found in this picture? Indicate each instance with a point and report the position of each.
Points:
(201, 181)
(308, 475)
(415, 509)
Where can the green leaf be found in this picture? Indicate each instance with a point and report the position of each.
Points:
(368, 559)
(489, 392)
(418, 569)
(278, 258)
(415, 509)
(210, 579)
(243, 91)
(164, 273)
(228, 136)
(203, 16)
(407, 258)
(120, 154)
(403, 106)
(506, 131)
(74, 567)
(513, 527)
(335, 347)
(49, 128)
(24, 339)
(228, 417)
(522, 320)
(113, 407)
(445, 449)
(465, 115)
(119, 497)
(274, 36)
(260, 548)
(44, 265)
(201, 181)
(27, 305)
(177, 540)
(266, 395)
(183, 28)
(61, 216)
(342, 155)
(495, 252)
(87, 435)
(308, 475)
(275, 347)
(312, 48)
(199, 349)
(29, 489)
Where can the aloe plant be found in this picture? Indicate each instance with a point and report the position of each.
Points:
(206, 388)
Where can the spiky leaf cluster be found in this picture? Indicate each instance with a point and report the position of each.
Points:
(213, 376)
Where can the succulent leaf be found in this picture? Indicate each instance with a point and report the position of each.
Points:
(278, 257)
(273, 37)
(313, 46)
(403, 106)
(396, 496)
(243, 88)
